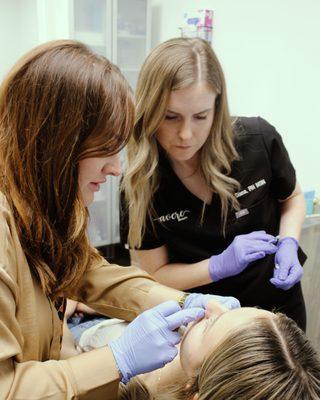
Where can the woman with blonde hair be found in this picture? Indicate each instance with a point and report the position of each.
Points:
(244, 354)
(207, 196)
(65, 113)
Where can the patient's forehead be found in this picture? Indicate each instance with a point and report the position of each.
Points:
(233, 319)
(248, 312)
(205, 335)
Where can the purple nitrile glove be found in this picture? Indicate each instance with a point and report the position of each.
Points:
(149, 341)
(287, 271)
(201, 300)
(240, 253)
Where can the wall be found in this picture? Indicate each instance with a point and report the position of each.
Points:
(26, 23)
(270, 52)
(18, 31)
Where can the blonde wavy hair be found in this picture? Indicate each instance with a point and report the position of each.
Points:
(59, 104)
(267, 359)
(173, 65)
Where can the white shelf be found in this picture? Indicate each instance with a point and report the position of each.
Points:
(311, 220)
(100, 243)
(123, 69)
(130, 36)
(312, 216)
(100, 201)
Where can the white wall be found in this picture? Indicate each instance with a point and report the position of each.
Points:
(270, 52)
(18, 31)
(26, 23)
(269, 49)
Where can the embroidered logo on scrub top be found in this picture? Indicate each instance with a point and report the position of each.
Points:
(251, 188)
(176, 215)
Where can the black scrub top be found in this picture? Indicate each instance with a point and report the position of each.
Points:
(266, 175)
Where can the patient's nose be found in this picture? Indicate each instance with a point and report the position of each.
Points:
(214, 308)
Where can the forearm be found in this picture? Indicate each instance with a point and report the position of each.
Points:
(89, 375)
(122, 292)
(293, 213)
(184, 276)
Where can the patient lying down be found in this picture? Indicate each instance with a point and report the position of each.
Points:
(242, 354)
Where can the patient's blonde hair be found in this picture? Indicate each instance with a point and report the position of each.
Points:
(267, 359)
(173, 65)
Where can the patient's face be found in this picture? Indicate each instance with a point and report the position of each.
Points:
(201, 337)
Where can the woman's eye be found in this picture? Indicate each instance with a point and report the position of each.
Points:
(201, 117)
(170, 117)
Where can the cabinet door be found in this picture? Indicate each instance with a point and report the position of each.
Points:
(131, 43)
(131, 40)
(91, 23)
(119, 30)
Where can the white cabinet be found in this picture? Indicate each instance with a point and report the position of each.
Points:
(119, 30)
(132, 40)
(91, 23)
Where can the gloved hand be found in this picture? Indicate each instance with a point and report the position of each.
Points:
(149, 342)
(241, 252)
(288, 270)
(201, 300)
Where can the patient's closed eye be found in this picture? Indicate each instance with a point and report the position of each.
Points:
(209, 322)
(212, 320)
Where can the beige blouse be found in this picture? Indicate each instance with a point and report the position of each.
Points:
(30, 329)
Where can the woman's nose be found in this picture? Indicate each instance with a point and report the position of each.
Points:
(185, 131)
(112, 166)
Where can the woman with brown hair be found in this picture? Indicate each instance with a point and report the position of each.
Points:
(65, 113)
(206, 195)
(243, 354)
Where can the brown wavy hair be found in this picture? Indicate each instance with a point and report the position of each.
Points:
(59, 104)
(267, 359)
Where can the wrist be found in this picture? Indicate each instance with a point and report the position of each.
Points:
(118, 360)
(119, 372)
(288, 240)
(213, 268)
